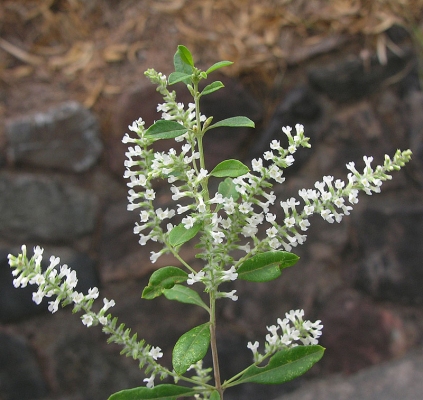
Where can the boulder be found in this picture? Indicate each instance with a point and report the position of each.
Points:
(65, 137)
(44, 208)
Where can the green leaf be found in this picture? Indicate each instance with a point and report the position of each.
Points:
(234, 122)
(227, 189)
(166, 129)
(163, 278)
(284, 366)
(215, 395)
(176, 77)
(264, 267)
(218, 65)
(191, 347)
(182, 67)
(185, 55)
(230, 168)
(185, 295)
(212, 87)
(159, 392)
(180, 235)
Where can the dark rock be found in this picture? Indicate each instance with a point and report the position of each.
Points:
(414, 119)
(301, 106)
(16, 304)
(362, 129)
(400, 379)
(390, 249)
(20, 375)
(65, 137)
(350, 80)
(41, 208)
(314, 48)
(358, 333)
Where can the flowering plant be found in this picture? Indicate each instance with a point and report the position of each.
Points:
(227, 227)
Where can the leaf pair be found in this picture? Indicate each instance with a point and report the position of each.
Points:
(165, 129)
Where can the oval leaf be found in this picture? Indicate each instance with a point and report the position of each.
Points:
(190, 348)
(230, 168)
(181, 66)
(215, 395)
(212, 87)
(180, 235)
(159, 392)
(284, 366)
(166, 129)
(227, 189)
(185, 295)
(267, 266)
(163, 278)
(176, 77)
(218, 65)
(186, 55)
(234, 122)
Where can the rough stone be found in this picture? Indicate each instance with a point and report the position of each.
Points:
(17, 304)
(414, 120)
(301, 105)
(400, 379)
(390, 250)
(20, 373)
(358, 333)
(44, 208)
(351, 80)
(65, 137)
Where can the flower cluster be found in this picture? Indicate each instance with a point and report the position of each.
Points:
(290, 332)
(60, 282)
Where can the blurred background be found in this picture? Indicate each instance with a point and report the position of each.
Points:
(71, 81)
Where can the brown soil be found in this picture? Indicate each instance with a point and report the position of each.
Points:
(91, 51)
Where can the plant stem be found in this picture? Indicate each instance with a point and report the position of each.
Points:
(213, 345)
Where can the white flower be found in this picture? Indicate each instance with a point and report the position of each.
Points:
(53, 306)
(77, 297)
(253, 346)
(154, 256)
(150, 381)
(155, 352)
(271, 232)
(92, 293)
(71, 279)
(37, 297)
(107, 304)
(188, 222)
(217, 236)
(87, 320)
(230, 274)
(289, 222)
(245, 207)
(193, 278)
(230, 295)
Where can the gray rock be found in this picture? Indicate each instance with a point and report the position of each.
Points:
(350, 79)
(390, 250)
(41, 208)
(65, 137)
(20, 374)
(301, 105)
(400, 379)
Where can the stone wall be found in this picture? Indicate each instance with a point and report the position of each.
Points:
(61, 187)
